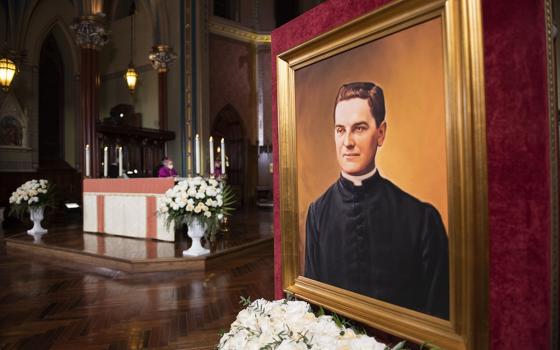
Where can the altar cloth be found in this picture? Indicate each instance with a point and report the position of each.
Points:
(126, 207)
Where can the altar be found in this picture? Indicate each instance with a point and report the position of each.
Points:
(126, 207)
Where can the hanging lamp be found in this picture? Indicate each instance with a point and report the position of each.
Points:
(8, 68)
(131, 76)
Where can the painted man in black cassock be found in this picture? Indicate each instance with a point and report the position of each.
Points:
(365, 234)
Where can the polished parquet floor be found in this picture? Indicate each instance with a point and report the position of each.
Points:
(52, 306)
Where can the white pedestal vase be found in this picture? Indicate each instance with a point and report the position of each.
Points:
(196, 230)
(36, 215)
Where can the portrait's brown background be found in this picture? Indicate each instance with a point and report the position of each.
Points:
(408, 65)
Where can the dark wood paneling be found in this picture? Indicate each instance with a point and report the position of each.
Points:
(142, 148)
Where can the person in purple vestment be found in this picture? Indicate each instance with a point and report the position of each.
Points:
(167, 168)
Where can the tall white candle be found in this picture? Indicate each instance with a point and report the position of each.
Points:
(223, 153)
(211, 148)
(120, 162)
(105, 161)
(197, 154)
(87, 161)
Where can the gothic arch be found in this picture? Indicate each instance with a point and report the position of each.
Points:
(228, 125)
(64, 40)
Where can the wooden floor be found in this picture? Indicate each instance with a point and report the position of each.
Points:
(51, 306)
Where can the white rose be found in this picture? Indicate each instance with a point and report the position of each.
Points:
(220, 216)
(365, 342)
(207, 214)
(190, 207)
(197, 209)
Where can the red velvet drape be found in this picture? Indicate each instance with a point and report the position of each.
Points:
(518, 158)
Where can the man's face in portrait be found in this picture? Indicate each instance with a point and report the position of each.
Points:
(357, 136)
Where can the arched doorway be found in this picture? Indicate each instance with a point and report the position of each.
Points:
(229, 126)
(51, 105)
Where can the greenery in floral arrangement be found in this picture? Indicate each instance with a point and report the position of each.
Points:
(32, 194)
(291, 324)
(204, 199)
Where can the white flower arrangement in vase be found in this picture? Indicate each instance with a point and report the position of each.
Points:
(33, 197)
(283, 324)
(199, 202)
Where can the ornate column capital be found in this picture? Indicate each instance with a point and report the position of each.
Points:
(161, 56)
(90, 32)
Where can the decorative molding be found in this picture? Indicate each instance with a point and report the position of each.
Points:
(553, 154)
(221, 27)
(11, 107)
(161, 57)
(90, 32)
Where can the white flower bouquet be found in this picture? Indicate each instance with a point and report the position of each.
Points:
(204, 199)
(283, 325)
(32, 194)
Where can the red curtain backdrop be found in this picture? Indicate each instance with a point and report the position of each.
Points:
(518, 158)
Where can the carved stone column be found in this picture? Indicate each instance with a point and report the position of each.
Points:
(91, 35)
(161, 57)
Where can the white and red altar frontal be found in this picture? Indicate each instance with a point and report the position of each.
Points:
(126, 207)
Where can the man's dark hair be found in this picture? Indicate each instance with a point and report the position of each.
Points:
(370, 92)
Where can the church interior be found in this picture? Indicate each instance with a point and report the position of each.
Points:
(165, 165)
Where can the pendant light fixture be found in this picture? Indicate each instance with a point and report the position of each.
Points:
(131, 76)
(8, 68)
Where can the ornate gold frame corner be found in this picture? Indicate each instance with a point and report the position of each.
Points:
(467, 176)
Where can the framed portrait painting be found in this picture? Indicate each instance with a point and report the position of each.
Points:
(383, 172)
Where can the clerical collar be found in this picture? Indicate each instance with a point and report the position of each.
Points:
(357, 180)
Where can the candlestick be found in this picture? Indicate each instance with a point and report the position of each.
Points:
(87, 161)
(197, 154)
(211, 147)
(120, 162)
(105, 161)
(223, 154)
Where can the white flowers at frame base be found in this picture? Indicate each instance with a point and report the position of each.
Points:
(286, 324)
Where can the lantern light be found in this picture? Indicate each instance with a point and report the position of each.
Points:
(131, 77)
(7, 71)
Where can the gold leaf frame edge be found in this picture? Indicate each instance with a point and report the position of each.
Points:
(467, 176)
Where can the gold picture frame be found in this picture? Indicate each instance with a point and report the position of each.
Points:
(466, 164)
